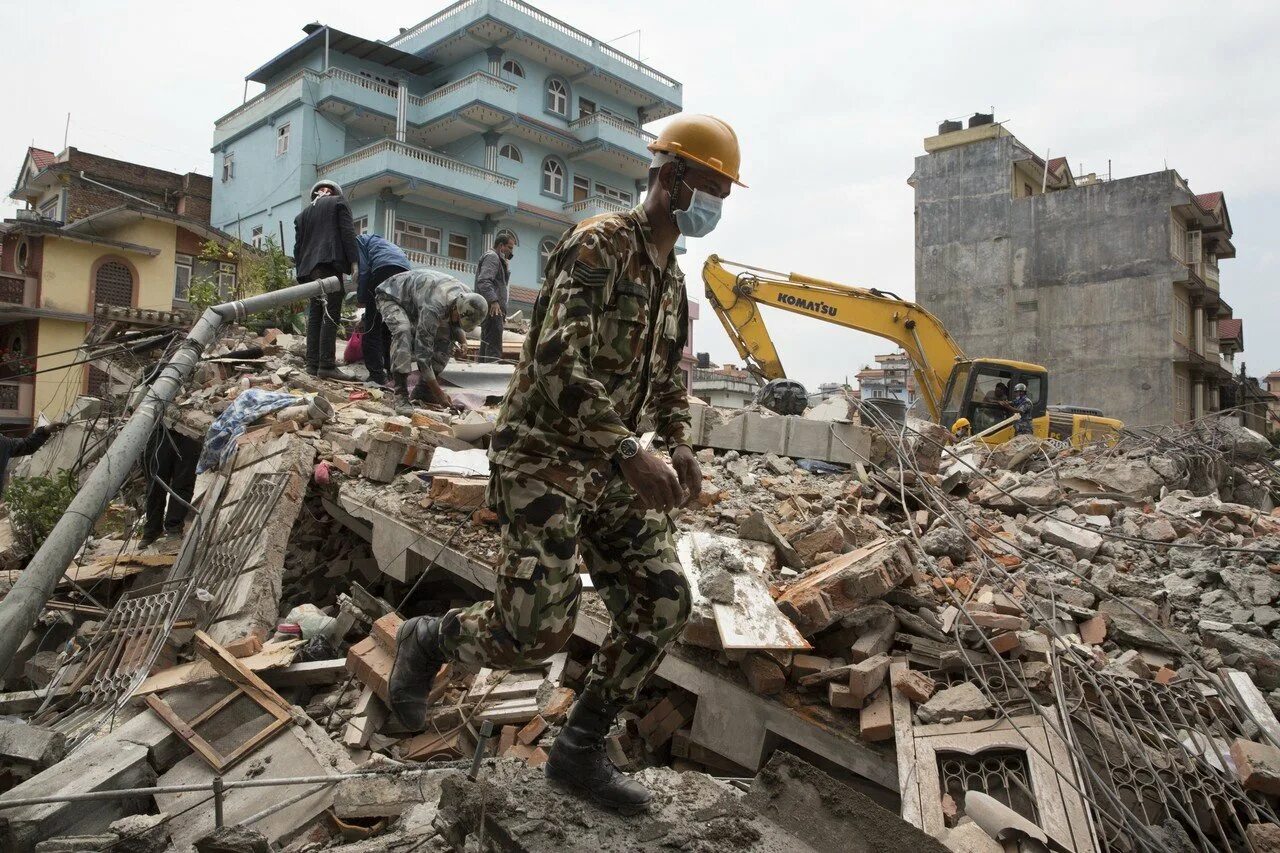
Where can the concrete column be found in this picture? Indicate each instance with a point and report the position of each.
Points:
(1197, 329)
(1197, 399)
(402, 110)
(488, 233)
(495, 60)
(642, 186)
(389, 200)
(491, 150)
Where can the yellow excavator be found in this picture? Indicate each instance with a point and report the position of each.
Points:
(958, 391)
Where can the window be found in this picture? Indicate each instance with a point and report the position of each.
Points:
(1026, 190)
(228, 166)
(557, 97)
(255, 237)
(610, 192)
(586, 107)
(553, 178)
(22, 256)
(618, 116)
(1178, 239)
(1181, 398)
(581, 188)
(511, 153)
(113, 285)
(416, 237)
(181, 278)
(545, 248)
(510, 235)
(226, 280)
(49, 210)
(361, 224)
(1194, 255)
(282, 139)
(459, 246)
(1181, 316)
(513, 68)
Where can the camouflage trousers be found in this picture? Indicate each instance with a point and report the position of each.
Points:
(631, 557)
(402, 342)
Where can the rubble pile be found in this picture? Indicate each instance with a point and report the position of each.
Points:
(932, 598)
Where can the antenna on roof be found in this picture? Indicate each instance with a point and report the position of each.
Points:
(66, 132)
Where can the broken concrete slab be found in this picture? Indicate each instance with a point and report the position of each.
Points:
(31, 745)
(1257, 766)
(825, 593)
(760, 529)
(387, 795)
(955, 703)
(1083, 543)
(233, 839)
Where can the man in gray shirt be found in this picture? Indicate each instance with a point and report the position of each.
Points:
(427, 312)
(492, 279)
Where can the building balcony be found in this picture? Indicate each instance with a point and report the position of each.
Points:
(1210, 276)
(17, 290)
(17, 400)
(421, 175)
(443, 263)
(458, 30)
(594, 205)
(612, 143)
(458, 109)
(258, 109)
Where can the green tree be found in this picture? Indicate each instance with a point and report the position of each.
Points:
(36, 504)
(258, 271)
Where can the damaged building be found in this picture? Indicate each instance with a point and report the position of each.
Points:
(896, 640)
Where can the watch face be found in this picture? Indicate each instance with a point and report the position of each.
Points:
(629, 447)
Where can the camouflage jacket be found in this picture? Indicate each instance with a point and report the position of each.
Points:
(603, 352)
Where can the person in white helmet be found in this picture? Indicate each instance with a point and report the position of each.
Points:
(1022, 405)
(324, 244)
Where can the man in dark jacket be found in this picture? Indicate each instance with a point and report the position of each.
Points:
(492, 278)
(379, 260)
(324, 244)
(11, 447)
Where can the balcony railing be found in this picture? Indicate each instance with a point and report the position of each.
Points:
(440, 262)
(613, 121)
(596, 203)
(482, 78)
(1210, 275)
(553, 23)
(363, 82)
(17, 290)
(420, 154)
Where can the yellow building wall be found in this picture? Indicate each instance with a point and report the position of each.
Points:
(68, 266)
(66, 285)
(56, 390)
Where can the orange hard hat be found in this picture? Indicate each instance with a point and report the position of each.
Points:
(705, 140)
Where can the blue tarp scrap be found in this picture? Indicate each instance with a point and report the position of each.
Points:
(220, 443)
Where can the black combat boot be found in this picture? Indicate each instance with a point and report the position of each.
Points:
(400, 385)
(418, 658)
(578, 760)
(420, 393)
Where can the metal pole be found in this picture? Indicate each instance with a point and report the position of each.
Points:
(217, 802)
(20, 608)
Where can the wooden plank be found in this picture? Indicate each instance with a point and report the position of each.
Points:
(273, 655)
(908, 781)
(509, 711)
(232, 669)
(186, 732)
(306, 673)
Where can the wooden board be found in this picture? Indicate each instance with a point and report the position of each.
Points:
(125, 566)
(752, 621)
(273, 655)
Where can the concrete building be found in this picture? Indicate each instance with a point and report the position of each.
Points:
(1112, 285)
(727, 387)
(98, 237)
(891, 379)
(488, 116)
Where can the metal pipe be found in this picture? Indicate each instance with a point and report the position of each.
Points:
(284, 804)
(20, 608)
(195, 787)
(217, 802)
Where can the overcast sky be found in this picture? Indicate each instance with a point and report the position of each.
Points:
(830, 100)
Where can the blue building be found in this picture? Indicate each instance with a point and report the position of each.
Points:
(489, 116)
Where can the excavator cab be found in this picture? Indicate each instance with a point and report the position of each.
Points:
(981, 391)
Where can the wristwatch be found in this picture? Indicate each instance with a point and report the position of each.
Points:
(629, 447)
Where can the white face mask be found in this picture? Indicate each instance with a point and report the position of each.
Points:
(702, 215)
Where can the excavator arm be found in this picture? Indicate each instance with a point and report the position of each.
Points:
(736, 296)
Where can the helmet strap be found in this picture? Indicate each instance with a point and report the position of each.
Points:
(677, 179)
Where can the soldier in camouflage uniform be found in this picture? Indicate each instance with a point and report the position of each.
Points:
(427, 313)
(569, 474)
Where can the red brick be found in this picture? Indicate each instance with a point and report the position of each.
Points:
(1093, 631)
(532, 731)
(763, 674)
(866, 677)
(1257, 765)
(915, 685)
(459, 492)
(876, 718)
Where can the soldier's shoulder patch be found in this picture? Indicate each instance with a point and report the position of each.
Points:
(588, 274)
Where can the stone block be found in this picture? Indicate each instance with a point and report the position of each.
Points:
(1084, 544)
(876, 718)
(30, 745)
(829, 538)
(955, 703)
(763, 673)
(1257, 766)
(866, 677)
(1263, 837)
(915, 685)
(997, 621)
(802, 665)
(1093, 631)
(459, 492)
(825, 593)
(875, 640)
